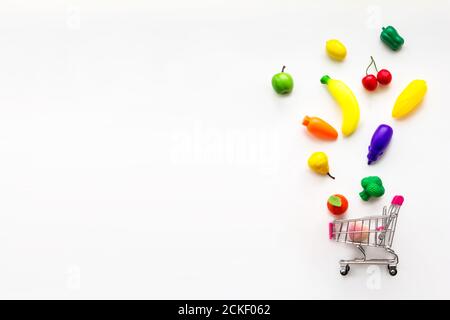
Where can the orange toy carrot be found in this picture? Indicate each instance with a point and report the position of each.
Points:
(320, 128)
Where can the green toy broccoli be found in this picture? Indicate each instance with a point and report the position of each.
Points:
(373, 187)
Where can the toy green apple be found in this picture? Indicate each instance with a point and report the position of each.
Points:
(282, 82)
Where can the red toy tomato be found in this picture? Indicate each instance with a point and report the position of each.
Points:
(337, 204)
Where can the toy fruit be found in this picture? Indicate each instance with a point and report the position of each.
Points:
(370, 82)
(373, 187)
(318, 162)
(336, 50)
(337, 204)
(391, 38)
(380, 140)
(320, 128)
(347, 101)
(410, 98)
(282, 82)
(358, 232)
(384, 77)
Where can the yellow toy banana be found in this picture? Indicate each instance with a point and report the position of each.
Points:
(347, 101)
(410, 98)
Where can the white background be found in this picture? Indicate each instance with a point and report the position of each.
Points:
(144, 154)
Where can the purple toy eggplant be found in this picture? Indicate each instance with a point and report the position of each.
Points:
(380, 140)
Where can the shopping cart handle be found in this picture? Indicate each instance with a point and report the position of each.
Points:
(398, 200)
(330, 230)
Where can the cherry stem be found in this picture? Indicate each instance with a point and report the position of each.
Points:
(372, 61)
(284, 67)
(330, 176)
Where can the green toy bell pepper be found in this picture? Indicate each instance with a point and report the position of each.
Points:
(391, 38)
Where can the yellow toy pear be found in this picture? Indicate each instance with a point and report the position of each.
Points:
(318, 162)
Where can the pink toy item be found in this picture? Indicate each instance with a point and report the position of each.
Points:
(398, 200)
(330, 230)
(356, 232)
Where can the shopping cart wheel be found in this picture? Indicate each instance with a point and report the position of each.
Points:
(344, 270)
(392, 270)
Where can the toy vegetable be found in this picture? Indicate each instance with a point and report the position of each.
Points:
(337, 204)
(373, 187)
(318, 162)
(336, 50)
(380, 140)
(347, 101)
(391, 38)
(410, 98)
(320, 128)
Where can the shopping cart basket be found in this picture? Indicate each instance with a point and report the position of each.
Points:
(373, 231)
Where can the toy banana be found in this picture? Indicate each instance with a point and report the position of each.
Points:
(410, 98)
(347, 101)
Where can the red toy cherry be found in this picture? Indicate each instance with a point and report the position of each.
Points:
(384, 77)
(370, 82)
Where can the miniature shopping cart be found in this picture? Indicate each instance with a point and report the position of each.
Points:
(374, 231)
